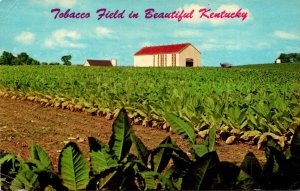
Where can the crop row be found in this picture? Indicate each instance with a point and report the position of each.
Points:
(246, 101)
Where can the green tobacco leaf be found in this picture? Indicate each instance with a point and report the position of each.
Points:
(38, 154)
(223, 176)
(95, 144)
(140, 148)
(210, 140)
(105, 178)
(155, 181)
(198, 170)
(180, 167)
(73, 167)
(272, 143)
(251, 166)
(101, 158)
(120, 140)
(245, 182)
(160, 156)
(9, 163)
(181, 128)
(199, 150)
(180, 159)
(25, 179)
(295, 144)
(276, 161)
(294, 159)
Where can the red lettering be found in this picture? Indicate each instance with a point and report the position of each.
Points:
(103, 13)
(68, 14)
(204, 13)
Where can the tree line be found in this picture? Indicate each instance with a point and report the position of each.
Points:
(289, 58)
(7, 58)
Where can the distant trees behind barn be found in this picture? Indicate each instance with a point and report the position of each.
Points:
(288, 58)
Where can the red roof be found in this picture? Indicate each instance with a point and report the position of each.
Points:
(164, 49)
(99, 62)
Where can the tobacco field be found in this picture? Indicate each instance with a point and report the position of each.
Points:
(250, 102)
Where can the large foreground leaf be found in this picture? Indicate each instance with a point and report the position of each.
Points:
(210, 140)
(181, 128)
(155, 181)
(295, 144)
(199, 150)
(101, 158)
(251, 166)
(294, 160)
(140, 148)
(120, 140)
(198, 170)
(73, 167)
(105, 178)
(275, 170)
(26, 179)
(38, 154)
(161, 156)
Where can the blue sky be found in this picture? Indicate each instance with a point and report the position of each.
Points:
(272, 27)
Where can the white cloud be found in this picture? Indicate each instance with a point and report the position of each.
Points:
(186, 33)
(230, 8)
(103, 32)
(64, 38)
(287, 35)
(62, 3)
(25, 37)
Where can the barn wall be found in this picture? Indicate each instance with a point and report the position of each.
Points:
(169, 60)
(147, 60)
(86, 63)
(143, 61)
(177, 59)
(189, 52)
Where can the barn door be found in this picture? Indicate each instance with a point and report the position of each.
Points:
(189, 62)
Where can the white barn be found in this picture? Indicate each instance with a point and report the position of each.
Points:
(278, 61)
(174, 55)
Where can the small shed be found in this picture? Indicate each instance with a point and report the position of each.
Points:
(107, 63)
(172, 55)
(278, 61)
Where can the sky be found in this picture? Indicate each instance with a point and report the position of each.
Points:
(271, 27)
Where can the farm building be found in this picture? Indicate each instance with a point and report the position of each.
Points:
(108, 63)
(278, 61)
(226, 65)
(180, 55)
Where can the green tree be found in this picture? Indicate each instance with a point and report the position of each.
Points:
(289, 58)
(23, 58)
(66, 60)
(6, 58)
(32, 61)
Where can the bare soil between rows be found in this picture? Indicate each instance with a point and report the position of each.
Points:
(24, 123)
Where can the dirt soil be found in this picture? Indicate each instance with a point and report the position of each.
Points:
(24, 123)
